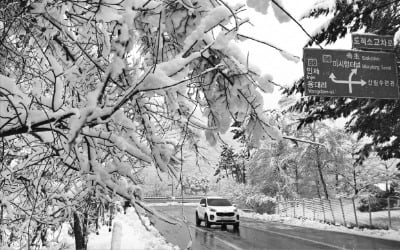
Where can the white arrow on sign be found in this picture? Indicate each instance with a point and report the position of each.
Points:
(349, 82)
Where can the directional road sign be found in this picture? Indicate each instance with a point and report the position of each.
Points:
(350, 73)
(372, 42)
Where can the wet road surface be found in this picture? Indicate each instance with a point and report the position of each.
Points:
(254, 234)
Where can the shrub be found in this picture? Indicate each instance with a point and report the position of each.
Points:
(248, 196)
(237, 193)
(376, 204)
(378, 201)
(261, 203)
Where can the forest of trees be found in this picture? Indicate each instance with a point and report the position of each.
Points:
(344, 161)
(329, 169)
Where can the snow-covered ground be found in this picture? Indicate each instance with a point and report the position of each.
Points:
(129, 234)
(334, 213)
(383, 234)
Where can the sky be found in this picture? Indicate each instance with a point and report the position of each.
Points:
(287, 36)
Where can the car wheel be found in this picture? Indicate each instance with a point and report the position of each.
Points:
(236, 226)
(206, 222)
(198, 221)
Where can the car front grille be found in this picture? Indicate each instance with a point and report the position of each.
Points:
(225, 221)
(225, 214)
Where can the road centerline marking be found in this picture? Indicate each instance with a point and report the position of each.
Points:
(298, 238)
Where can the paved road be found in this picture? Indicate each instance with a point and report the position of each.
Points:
(255, 234)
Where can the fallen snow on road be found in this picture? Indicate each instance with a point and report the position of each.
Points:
(382, 234)
(129, 234)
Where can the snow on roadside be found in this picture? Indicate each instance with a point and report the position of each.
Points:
(101, 241)
(382, 234)
(131, 236)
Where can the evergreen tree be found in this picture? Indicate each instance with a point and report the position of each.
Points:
(230, 165)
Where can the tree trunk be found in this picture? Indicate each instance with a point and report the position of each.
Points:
(86, 227)
(321, 176)
(355, 180)
(386, 178)
(78, 233)
(43, 235)
(296, 172)
(236, 173)
(1, 223)
(244, 174)
(317, 185)
(337, 181)
(318, 164)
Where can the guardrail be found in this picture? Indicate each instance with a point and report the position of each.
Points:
(162, 199)
(345, 211)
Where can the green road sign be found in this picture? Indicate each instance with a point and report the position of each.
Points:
(372, 42)
(350, 73)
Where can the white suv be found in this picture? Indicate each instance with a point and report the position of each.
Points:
(217, 210)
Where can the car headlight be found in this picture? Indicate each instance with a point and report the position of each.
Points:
(213, 210)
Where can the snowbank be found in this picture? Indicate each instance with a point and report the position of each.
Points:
(131, 235)
(382, 234)
(128, 233)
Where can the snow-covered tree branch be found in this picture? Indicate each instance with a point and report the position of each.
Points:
(93, 91)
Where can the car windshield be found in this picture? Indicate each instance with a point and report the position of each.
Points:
(219, 202)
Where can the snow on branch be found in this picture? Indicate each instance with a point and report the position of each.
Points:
(84, 83)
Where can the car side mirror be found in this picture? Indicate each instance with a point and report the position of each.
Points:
(203, 205)
(234, 205)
